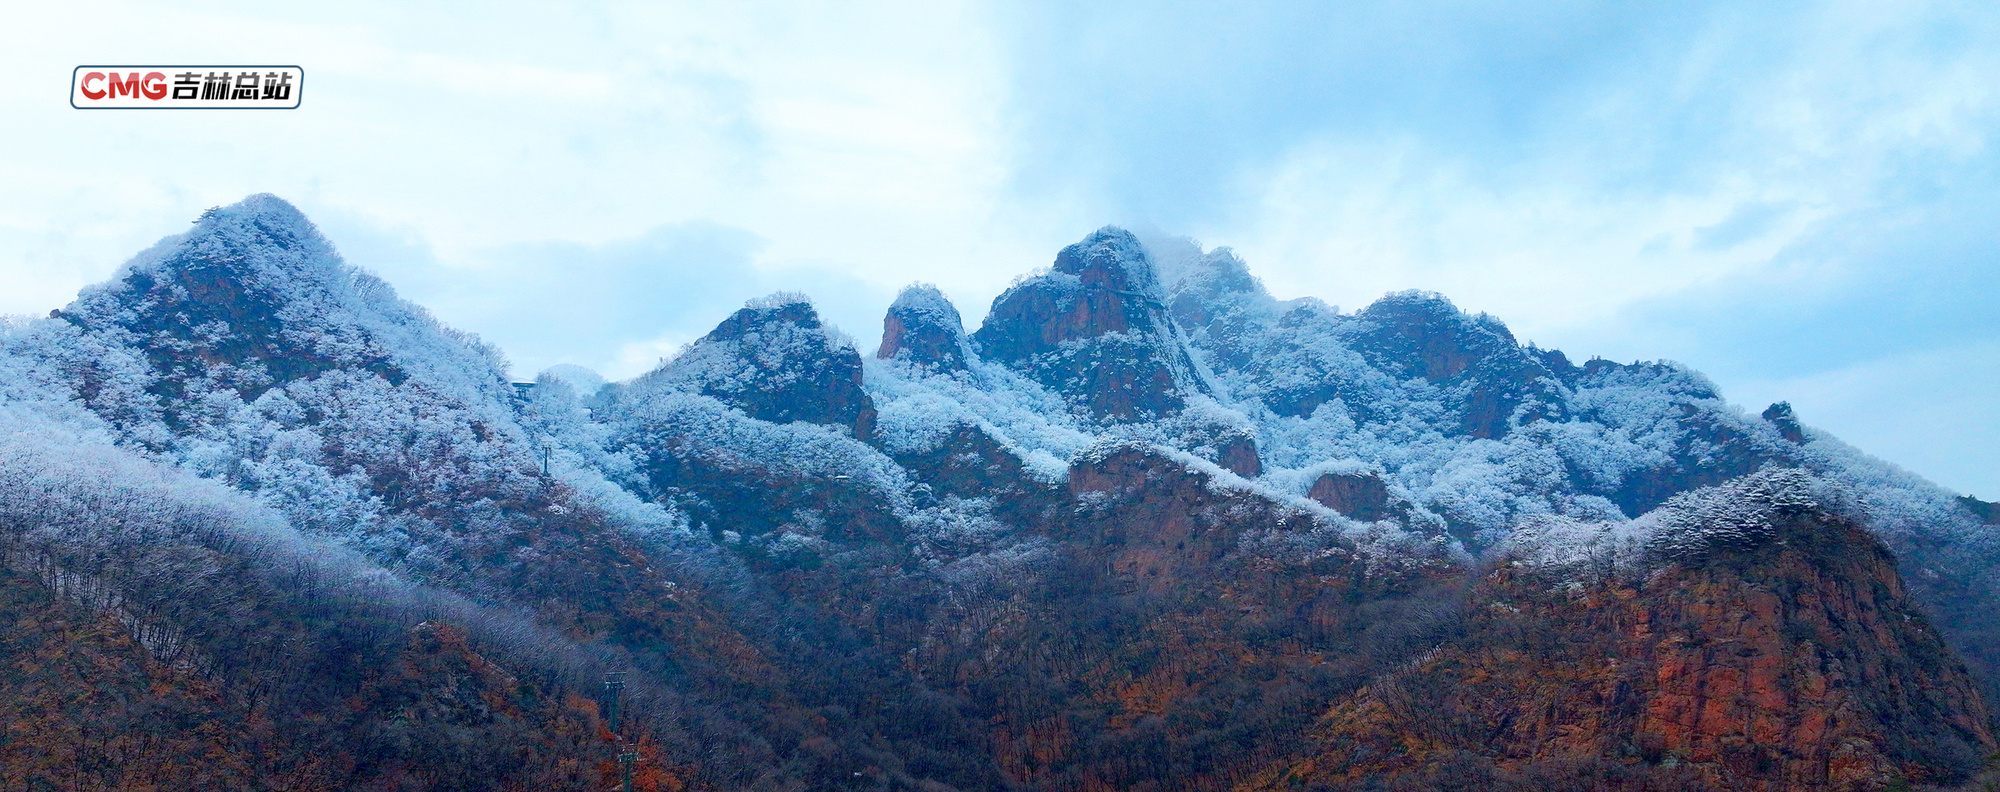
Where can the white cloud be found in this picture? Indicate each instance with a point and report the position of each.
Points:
(863, 139)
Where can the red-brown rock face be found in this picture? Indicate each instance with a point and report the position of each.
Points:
(1238, 455)
(1161, 552)
(1812, 669)
(1799, 664)
(1422, 335)
(1362, 496)
(924, 328)
(1095, 329)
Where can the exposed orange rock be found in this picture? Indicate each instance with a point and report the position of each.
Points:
(1362, 496)
(1797, 665)
(1238, 455)
(923, 327)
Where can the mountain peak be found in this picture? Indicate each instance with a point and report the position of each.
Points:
(251, 297)
(1420, 333)
(1351, 551)
(923, 327)
(261, 242)
(776, 361)
(1781, 417)
(260, 208)
(1114, 259)
(763, 313)
(1095, 329)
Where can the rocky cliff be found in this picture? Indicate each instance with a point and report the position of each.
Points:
(1095, 329)
(1797, 662)
(923, 327)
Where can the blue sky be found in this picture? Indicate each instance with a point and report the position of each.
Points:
(1795, 198)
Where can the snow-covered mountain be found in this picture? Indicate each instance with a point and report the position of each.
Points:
(1146, 527)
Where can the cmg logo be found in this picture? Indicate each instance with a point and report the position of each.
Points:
(186, 87)
(152, 86)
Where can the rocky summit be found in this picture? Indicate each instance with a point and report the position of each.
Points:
(266, 525)
(1094, 328)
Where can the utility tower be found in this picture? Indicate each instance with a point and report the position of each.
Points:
(614, 690)
(626, 757)
(628, 752)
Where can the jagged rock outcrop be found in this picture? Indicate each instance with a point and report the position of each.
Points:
(777, 362)
(1780, 416)
(1712, 447)
(922, 327)
(1419, 334)
(1095, 329)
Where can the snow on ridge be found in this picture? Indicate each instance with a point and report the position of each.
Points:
(1381, 544)
(925, 299)
(1625, 420)
(916, 409)
(771, 347)
(1737, 513)
(585, 381)
(1121, 249)
(399, 393)
(224, 233)
(732, 439)
(1896, 504)
(919, 409)
(1424, 298)
(778, 300)
(324, 303)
